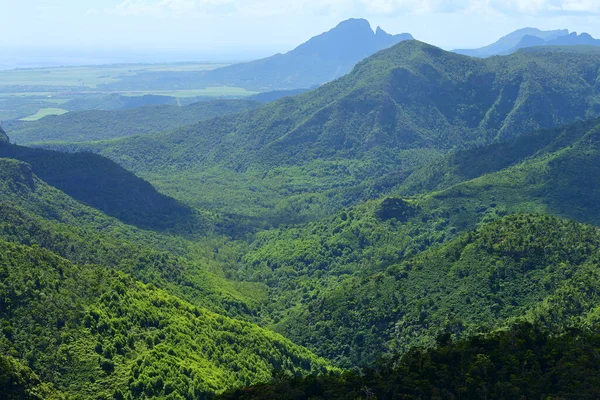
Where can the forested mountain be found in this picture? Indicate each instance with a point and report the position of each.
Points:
(73, 316)
(92, 125)
(509, 43)
(321, 59)
(347, 269)
(398, 109)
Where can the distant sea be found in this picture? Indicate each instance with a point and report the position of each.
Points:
(40, 59)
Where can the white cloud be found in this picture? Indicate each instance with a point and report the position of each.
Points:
(357, 7)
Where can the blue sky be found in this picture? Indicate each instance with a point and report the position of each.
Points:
(250, 28)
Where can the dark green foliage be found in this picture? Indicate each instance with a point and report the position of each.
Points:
(18, 382)
(100, 125)
(396, 208)
(33, 213)
(525, 362)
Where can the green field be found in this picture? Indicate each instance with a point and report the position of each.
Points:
(91, 76)
(44, 112)
(32, 93)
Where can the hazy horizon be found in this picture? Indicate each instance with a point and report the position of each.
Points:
(64, 32)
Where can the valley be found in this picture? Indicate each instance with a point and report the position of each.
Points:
(384, 219)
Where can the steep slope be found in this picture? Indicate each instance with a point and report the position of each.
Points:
(94, 332)
(33, 213)
(103, 184)
(101, 125)
(511, 41)
(398, 109)
(319, 60)
(3, 137)
(548, 171)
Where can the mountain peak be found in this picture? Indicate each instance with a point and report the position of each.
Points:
(381, 32)
(354, 23)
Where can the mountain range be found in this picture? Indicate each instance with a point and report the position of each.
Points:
(396, 110)
(531, 37)
(429, 219)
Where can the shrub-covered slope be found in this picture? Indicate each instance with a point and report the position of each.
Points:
(324, 262)
(353, 293)
(33, 213)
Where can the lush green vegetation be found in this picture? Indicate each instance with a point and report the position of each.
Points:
(352, 288)
(101, 183)
(99, 125)
(525, 362)
(33, 213)
(94, 332)
(397, 110)
(397, 212)
(20, 382)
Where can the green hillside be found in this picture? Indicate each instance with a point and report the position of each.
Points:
(332, 272)
(33, 213)
(92, 125)
(94, 332)
(396, 110)
(431, 216)
(522, 362)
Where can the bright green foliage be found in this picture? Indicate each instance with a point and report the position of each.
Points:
(33, 213)
(92, 331)
(524, 362)
(100, 125)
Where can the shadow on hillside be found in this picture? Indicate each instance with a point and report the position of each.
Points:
(100, 183)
